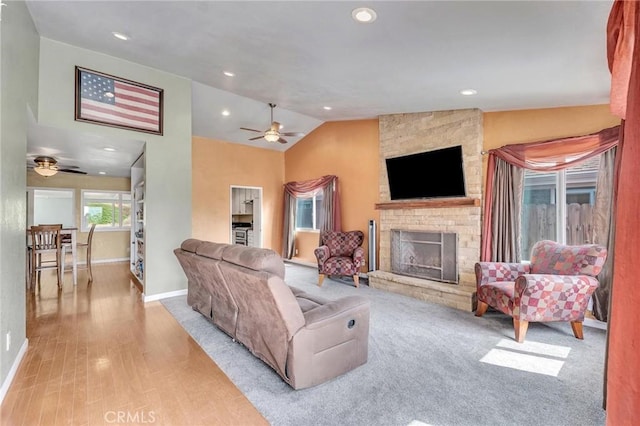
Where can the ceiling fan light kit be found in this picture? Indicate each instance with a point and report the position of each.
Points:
(45, 171)
(48, 166)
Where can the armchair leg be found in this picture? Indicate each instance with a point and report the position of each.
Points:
(320, 279)
(520, 327)
(576, 326)
(481, 309)
(356, 280)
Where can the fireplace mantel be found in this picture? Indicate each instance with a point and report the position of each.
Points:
(429, 204)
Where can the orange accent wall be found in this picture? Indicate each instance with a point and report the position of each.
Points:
(349, 150)
(531, 125)
(216, 165)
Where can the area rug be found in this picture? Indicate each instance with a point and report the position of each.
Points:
(427, 364)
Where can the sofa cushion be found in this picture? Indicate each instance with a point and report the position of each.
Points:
(257, 259)
(549, 257)
(211, 250)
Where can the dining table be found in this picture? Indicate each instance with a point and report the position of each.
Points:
(69, 240)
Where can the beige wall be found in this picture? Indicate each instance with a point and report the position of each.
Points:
(216, 166)
(106, 244)
(349, 150)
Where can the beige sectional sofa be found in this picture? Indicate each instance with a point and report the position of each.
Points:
(306, 339)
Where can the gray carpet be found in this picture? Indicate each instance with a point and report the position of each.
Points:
(424, 365)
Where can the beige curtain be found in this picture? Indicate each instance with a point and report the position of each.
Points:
(507, 207)
(604, 231)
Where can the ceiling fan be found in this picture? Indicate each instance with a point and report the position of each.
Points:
(48, 166)
(273, 133)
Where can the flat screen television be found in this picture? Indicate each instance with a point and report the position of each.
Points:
(431, 174)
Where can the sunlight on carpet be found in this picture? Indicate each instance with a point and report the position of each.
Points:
(516, 359)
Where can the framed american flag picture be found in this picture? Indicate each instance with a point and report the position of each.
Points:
(112, 101)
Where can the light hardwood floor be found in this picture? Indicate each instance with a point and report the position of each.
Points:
(98, 355)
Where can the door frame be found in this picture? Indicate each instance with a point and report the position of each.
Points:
(259, 215)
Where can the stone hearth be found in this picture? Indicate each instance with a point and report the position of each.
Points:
(405, 134)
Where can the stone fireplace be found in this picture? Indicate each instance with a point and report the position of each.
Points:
(455, 221)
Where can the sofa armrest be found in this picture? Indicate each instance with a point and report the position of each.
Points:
(358, 257)
(334, 340)
(322, 254)
(542, 297)
(338, 311)
(487, 272)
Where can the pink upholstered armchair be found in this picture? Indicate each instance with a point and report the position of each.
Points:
(340, 254)
(556, 286)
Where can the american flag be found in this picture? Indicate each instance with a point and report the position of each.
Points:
(111, 101)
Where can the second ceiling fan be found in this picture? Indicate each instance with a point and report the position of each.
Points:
(273, 134)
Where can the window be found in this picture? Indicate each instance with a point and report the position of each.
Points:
(558, 206)
(308, 212)
(51, 205)
(109, 210)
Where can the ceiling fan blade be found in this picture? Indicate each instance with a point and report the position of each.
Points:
(296, 134)
(256, 138)
(68, 167)
(282, 140)
(251, 130)
(79, 172)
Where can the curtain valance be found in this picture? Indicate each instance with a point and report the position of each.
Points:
(558, 154)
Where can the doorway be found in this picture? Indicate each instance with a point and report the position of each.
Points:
(246, 215)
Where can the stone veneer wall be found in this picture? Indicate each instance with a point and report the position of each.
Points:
(404, 134)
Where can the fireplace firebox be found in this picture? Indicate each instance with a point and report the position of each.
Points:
(425, 254)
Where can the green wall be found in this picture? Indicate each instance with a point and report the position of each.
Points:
(19, 43)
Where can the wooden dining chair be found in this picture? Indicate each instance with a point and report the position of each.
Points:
(45, 239)
(87, 245)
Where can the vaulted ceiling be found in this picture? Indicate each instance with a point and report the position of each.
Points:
(308, 55)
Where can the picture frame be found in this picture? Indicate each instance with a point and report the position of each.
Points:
(108, 100)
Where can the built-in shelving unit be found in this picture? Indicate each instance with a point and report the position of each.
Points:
(138, 222)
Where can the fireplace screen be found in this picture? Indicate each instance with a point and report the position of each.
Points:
(429, 255)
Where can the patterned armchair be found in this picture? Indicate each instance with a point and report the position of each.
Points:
(556, 286)
(340, 254)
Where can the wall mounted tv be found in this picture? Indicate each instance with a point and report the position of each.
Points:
(431, 174)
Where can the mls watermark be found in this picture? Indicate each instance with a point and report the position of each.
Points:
(139, 417)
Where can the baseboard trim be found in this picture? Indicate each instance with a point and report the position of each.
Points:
(14, 369)
(159, 296)
(301, 263)
(588, 322)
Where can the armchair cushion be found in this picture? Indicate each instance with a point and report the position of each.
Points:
(549, 257)
(342, 243)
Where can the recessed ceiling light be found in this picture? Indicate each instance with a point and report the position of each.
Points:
(109, 149)
(364, 14)
(120, 36)
(228, 73)
(226, 112)
(328, 108)
(102, 173)
(469, 92)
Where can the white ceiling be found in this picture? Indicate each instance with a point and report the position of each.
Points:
(304, 55)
